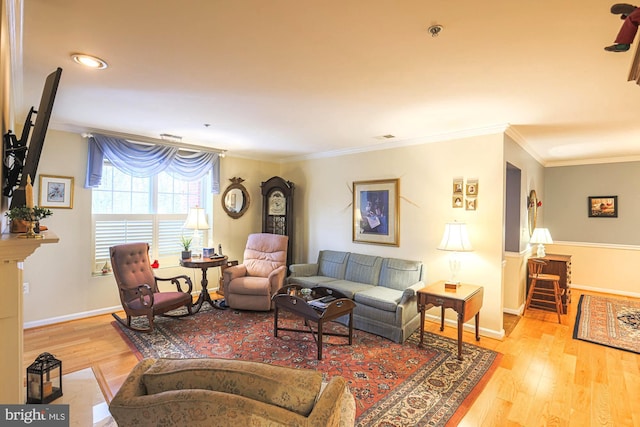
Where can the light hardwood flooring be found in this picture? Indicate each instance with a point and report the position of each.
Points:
(545, 377)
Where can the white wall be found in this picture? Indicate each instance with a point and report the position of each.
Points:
(324, 216)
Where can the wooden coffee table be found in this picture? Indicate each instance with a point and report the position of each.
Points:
(290, 299)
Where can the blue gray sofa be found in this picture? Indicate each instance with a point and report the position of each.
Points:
(384, 289)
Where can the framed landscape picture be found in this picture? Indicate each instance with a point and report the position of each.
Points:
(376, 212)
(603, 206)
(56, 192)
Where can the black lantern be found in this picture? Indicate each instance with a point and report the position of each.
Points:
(44, 379)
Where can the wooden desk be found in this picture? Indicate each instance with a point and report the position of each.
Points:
(466, 300)
(204, 264)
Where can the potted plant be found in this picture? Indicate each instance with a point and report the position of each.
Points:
(20, 218)
(186, 246)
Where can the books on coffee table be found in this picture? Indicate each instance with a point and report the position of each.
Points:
(322, 302)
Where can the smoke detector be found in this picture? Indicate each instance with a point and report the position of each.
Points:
(435, 30)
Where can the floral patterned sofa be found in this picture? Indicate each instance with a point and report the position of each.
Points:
(221, 392)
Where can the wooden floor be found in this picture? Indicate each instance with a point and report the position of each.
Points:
(546, 378)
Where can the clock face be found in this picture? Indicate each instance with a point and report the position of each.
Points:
(277, 203)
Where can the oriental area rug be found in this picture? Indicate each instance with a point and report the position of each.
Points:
(393, 384)
(612, 322)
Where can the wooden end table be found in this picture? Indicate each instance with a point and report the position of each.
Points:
(466, 300)
(204, 264)
(289, 298)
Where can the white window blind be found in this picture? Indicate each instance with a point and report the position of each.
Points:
(169, 232)
(116, 232)
(152, 210)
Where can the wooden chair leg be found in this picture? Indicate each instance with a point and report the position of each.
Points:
(556, 291)
(532, 287)
(150, 318)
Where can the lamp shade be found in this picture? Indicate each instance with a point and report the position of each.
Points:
(541, 235)
(197, 219)
(455, 238)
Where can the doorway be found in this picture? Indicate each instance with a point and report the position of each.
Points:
(512, 209)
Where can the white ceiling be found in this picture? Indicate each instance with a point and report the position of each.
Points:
(290, 78)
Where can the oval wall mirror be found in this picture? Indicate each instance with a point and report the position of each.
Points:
(235, 199)
(533, 211)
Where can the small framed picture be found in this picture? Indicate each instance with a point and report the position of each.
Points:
(56, 192)
(456, 201)
(472, 187)
(603, 206)
(472, 203)
(458, 184)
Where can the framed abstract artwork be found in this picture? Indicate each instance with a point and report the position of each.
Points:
(56, 192)
(376, 211)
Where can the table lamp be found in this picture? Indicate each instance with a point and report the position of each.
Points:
(541, 236)
(196, 221)
(455, 239)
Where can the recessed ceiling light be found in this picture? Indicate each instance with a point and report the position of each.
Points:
(89, 61)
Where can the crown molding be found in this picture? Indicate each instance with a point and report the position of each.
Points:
(596, 161)
(398, 143)
(512, 133)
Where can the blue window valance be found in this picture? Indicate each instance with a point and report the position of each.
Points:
(141, 160)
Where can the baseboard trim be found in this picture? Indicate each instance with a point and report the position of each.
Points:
(489, 333)
(85, 314)
(606, 291)
(518, 311)
(69, 317)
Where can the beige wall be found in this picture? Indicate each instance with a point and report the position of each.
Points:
(601, 268)
(324, 197)
(532, 178)
(232, 233)
(61, 283)
(63, 288)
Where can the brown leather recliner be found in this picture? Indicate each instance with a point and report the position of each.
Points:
(250, 285)
(138, 286)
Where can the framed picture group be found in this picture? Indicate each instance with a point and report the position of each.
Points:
(465, 195)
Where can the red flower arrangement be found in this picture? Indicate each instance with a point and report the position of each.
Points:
(530, 203)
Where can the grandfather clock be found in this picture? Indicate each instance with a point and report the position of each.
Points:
(277, 209)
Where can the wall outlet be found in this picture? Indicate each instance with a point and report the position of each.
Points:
(25, 287)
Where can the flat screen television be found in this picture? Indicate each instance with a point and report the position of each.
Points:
(36, 141)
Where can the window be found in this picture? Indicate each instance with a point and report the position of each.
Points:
(128, 209)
